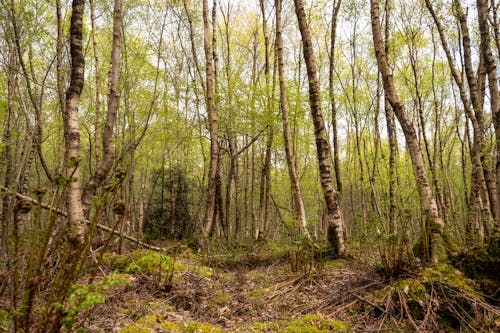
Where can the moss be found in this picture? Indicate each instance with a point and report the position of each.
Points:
(257, 275)
(221, 299)
(193, 327)
(312, 323)
(333, 264)
(5, 321)
(195, 269)
(135, 329)
(155, 322)
(257, 292)
(448, 274)
(315, 323)
(189, 327)
(121, 261)
(480, 265)
(149, 320)
(412, 288)
(153, 263)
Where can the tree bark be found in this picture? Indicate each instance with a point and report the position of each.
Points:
(491, 69)
(212, 118)
(334, 212)
(71, 125)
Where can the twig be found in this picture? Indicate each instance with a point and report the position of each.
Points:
(371, 303)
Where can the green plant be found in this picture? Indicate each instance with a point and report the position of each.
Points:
(85, 296)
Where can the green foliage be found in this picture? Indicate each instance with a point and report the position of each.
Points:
(153, 263)
(156, 265)
(5, 321)
(85, 296)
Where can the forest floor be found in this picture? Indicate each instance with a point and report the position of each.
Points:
(145, 292)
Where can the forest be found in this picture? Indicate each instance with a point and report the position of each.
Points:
(249, 166)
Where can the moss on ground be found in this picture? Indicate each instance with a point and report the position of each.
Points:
(151, 262)
(311, 323)
(155, 323)
(315, 323)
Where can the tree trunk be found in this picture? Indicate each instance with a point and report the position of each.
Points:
(71, 125)
(108, 156)
(333, 104)
(491, 69)
(298, 203)
(473, 111)
(335, 217)
(212, 118)
(433, 223)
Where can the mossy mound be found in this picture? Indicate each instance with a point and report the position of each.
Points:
(140, 260)
(155, 263)
(438, 299)
(482, 266)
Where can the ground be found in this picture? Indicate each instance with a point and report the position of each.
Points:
(180, 293)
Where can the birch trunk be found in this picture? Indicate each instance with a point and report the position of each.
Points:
(298, 203)
(108, 156)
(71, 125)
(491, 69)
(212, 118)
(434, 225)
(334, 213)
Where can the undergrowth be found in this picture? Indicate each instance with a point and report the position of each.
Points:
(435, 300)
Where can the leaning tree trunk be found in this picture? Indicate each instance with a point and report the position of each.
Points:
(434, 225)
(334, 213)
(71, 125)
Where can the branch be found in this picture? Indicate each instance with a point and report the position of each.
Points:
(63, 213)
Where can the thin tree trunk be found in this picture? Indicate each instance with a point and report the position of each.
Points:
(108, 157)
(473, 112)
(391, 131)
(6, 157)
(433, 223)
(71, 124)
(335, 217)
(333, 104)
(491, 69)
(97, 68)
(212, 118)
(298, 206)
(265, 180)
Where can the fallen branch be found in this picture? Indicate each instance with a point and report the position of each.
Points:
(63, 213)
